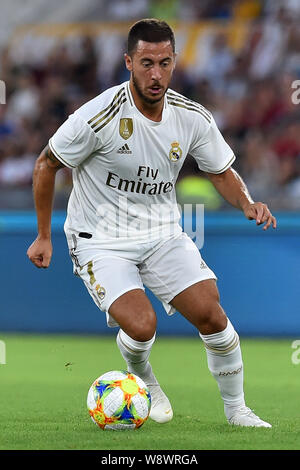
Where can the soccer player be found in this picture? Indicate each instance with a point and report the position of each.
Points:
(125, 148)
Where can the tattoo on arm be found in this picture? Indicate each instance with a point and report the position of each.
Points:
(51, 160)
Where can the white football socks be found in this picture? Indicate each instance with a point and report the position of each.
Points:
(225, 362)
(136, 355)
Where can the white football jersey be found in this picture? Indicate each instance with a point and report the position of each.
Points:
(125, 165)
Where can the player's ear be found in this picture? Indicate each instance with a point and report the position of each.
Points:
(128, 62)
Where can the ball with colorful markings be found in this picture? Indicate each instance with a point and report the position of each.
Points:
(119, 400)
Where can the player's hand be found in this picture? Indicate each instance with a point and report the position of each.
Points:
(40, 252)
(260, 212)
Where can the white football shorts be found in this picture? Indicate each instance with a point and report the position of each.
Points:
(165, 267)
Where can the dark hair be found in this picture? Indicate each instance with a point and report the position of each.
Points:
(149, 30)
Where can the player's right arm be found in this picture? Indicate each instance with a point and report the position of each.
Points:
(46, 167)
(73, 142)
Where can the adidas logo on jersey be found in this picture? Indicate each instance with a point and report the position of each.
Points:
(124, 149)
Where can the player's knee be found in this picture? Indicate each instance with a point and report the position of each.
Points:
(212, 318)
(144, 334)
(144, 329)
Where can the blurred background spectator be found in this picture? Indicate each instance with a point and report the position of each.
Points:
(239, 58)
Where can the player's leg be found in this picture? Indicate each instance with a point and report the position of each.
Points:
(188, 285)
(137, 319)
(115, 286)
(199, 303)
(134, 314)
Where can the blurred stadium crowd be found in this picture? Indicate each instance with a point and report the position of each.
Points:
(247, 88)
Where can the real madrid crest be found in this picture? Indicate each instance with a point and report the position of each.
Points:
(126, 128)
(100, 291)
(175, 152)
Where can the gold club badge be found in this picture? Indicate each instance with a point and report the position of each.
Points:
(100, 291)
(175, 152)
(126, 128)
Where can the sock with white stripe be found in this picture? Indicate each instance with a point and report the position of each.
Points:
(136, 355)
(225, 362)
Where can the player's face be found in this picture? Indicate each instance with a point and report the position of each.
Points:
(151, 66)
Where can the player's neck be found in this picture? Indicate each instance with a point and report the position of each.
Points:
(151, 111)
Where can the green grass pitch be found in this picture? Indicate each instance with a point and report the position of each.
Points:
(44, 384)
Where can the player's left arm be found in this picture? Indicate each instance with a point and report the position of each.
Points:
(234, 190)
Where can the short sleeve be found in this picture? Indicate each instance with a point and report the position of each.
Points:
(211, 151)
(74, 141)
